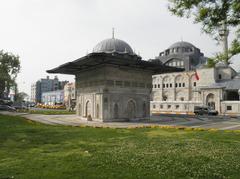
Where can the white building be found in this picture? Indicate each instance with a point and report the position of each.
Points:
(70, 95)
(179, 92)
(45, 85)
(53, 97)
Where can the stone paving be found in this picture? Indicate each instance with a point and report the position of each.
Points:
(216, 122)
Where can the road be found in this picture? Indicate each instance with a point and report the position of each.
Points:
(216, 122)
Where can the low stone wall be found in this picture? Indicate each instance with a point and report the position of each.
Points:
(230, 107)
(187, 107)
(174, 107)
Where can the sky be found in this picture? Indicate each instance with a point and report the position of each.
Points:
(48, 33)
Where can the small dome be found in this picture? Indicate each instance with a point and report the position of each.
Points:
(221, 64)
(113, 45)
(182, 44)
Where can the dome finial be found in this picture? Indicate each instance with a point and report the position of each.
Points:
(113, 32)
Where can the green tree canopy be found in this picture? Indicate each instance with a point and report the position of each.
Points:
(216, 17)
(233, 50)
(211, 13)
(20, 97)
(9, 68)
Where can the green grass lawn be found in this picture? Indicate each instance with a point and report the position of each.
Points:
(32, 150)
(49, 112)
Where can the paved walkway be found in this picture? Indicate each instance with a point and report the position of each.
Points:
(218, 122)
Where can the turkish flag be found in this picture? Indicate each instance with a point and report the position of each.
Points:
(196, 75)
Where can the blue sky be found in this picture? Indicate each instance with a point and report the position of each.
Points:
(47, 33)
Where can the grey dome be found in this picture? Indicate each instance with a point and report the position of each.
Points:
(113, 45)
(221, 64)
(182, 44)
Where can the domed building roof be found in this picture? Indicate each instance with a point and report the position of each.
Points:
(183, 55)
(221, 64)
(182, 44)
(113, 45)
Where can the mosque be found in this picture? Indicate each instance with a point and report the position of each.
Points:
(182, 55)
(178, 92)
(113, 83)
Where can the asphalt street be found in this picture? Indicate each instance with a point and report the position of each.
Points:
(216, 122)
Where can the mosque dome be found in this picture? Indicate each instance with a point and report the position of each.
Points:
(113, 45)
(182, 55)
(182, 44)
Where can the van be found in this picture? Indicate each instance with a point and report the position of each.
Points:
(204, 110)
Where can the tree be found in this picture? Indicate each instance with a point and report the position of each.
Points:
(211, 62)
(9, 68)
(233, 50)
(216, 17)
(20, 97)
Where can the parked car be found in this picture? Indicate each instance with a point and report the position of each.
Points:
(7, 108)
(203, 110)
(19, 107)
(31, 104)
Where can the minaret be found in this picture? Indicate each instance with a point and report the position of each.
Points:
(114, 47)
(113, 33)
(224, 33)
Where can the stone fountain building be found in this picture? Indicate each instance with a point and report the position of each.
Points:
(112, 83)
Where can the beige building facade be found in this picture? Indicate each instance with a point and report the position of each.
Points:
(179, 92)
(122, 96)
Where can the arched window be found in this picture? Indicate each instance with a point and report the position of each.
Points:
(87, 109)
(144, 109)
(97, 111)
(131, 110)
(175, 62)
(115, 111)
(80, 110)
(165, 81)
